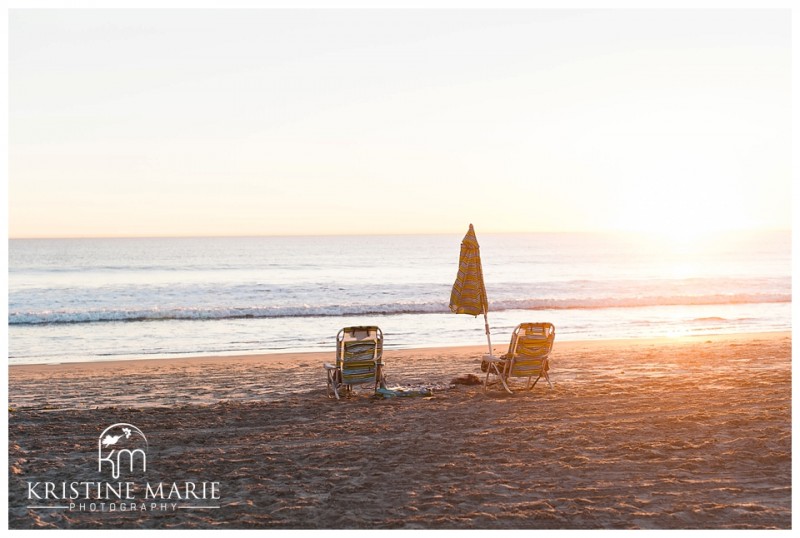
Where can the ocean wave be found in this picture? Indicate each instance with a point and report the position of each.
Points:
(188, 314)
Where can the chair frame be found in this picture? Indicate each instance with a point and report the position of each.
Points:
(503, 366)
(336, 387)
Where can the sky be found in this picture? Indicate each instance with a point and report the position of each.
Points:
(159, 122)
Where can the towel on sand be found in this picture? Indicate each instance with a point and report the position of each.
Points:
(403, 392)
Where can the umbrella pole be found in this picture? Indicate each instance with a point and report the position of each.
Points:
(488, 334)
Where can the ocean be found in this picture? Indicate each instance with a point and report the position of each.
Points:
(108, 299)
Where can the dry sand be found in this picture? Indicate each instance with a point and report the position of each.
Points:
(683, 433)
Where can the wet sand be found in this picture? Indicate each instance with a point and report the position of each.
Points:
(689, 433)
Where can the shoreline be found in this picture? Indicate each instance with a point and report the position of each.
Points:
(325, 356)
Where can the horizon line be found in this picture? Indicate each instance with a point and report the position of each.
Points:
(354, 234)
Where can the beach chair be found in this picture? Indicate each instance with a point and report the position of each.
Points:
(359, 352)
(528, 356)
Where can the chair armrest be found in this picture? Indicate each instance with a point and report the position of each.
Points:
(329, 366)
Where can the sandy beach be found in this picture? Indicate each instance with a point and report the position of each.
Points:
(684, 433)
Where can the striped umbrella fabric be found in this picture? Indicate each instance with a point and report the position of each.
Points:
(469, 293)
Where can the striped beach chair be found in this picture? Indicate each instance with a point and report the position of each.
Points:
(359, 352)
(528, 356)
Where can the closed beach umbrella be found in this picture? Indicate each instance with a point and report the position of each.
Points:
(469, 292)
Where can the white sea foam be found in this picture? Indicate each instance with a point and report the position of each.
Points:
(158, 314)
